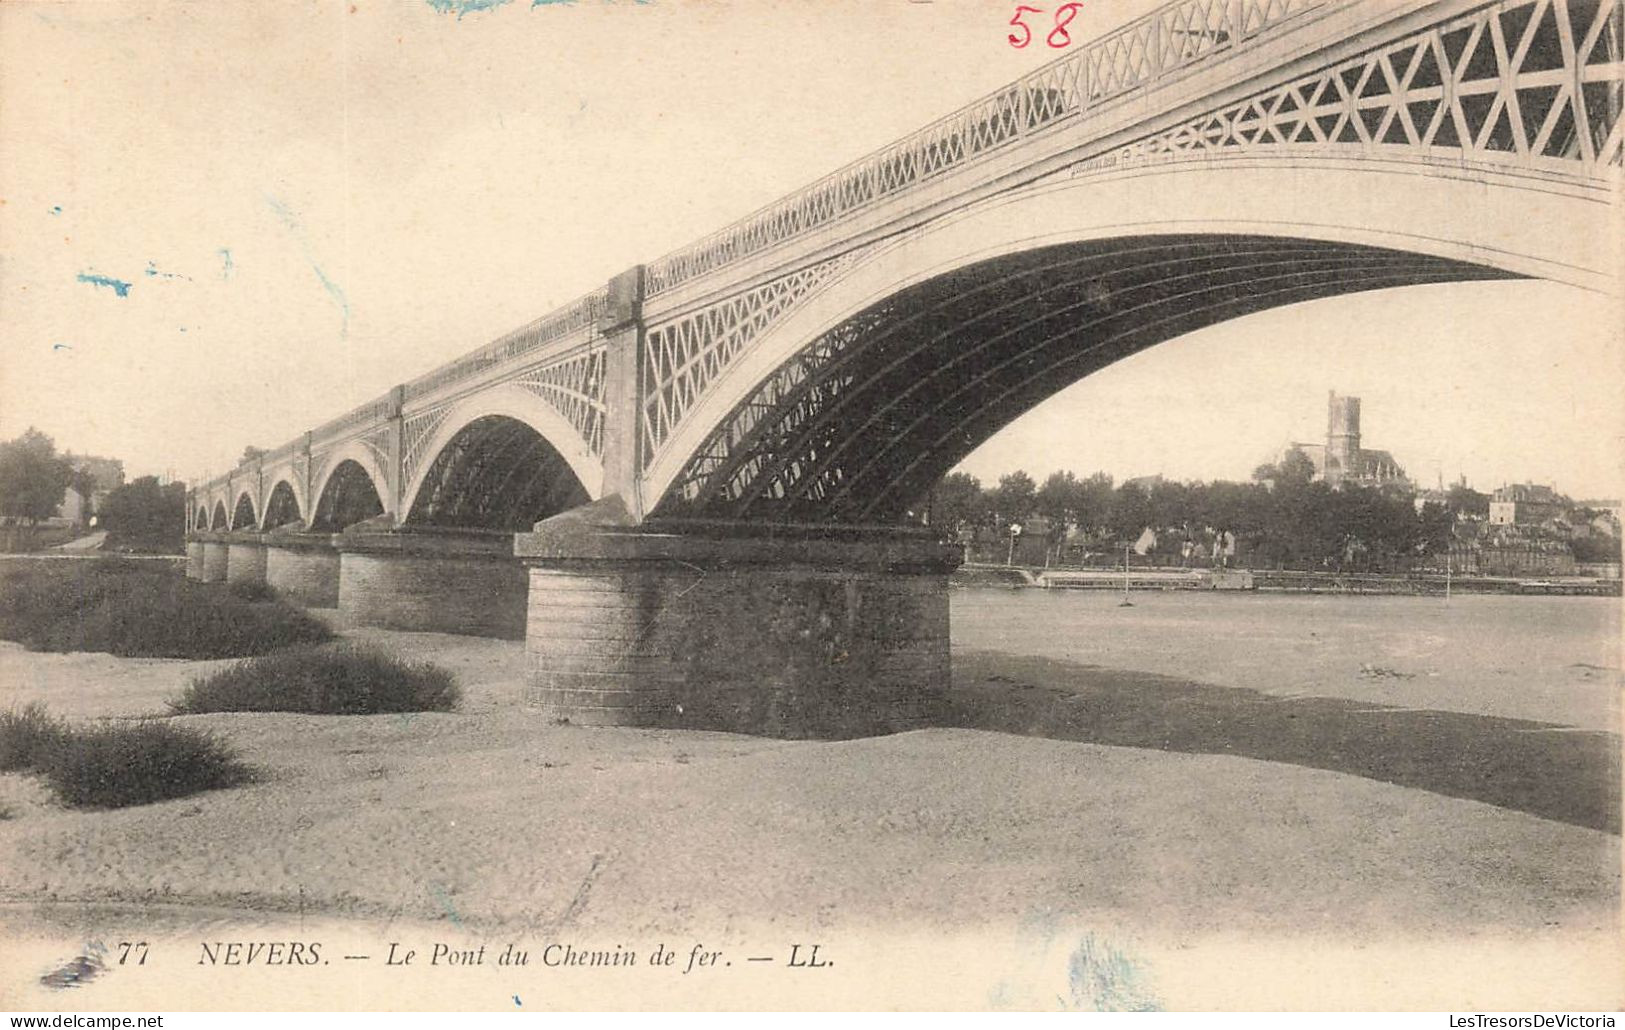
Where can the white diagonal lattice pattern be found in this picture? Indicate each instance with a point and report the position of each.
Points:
(416, 434)
(1526, 80)
(684, 356)
(575, 387)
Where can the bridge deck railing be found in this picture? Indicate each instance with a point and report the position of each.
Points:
(580, 314)
(1172, 37)
(369, 414)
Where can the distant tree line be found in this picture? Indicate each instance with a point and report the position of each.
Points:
(141, 515)
(1283, 517)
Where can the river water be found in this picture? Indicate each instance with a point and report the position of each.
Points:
(1547, 659)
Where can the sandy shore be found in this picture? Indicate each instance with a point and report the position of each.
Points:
(492, 821)
(1540, 659)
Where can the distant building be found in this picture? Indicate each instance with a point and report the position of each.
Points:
(105, 476)
(1342, 460)
(1526, 504)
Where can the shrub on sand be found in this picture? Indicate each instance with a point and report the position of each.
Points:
(346, 679)
(28, 737)
(117, 765)
(139, 763)
(140, 609)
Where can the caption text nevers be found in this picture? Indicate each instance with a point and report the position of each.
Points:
(437, 954)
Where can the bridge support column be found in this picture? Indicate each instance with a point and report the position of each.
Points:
(303, 568)
(431, 580)
(194, 557)
(751, 629)
(245, 558)
(214, 557)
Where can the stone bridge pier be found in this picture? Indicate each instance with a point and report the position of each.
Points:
(782, 630)
(428, 579)
(245, 557)
(213, 549)
(303, 567)
(777, 630)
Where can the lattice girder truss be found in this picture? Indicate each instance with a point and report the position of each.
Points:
(1539, 82)
(683, 356)
(864, 420)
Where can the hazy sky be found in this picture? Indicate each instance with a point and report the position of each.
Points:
(313, 202)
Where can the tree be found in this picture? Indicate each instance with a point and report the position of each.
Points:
(32, 478)
(957, 503)
(144, 516)
(1095, 501)
(1315, 528)
(1170, 505)
(1436, 527)
(1595, 548)
(1294, 469)
(251, 454)
(1059, 501)
(1060, 498)
(1130, 513)
(1016, 497)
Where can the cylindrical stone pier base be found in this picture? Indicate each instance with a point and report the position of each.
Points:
(434, 581)
(194, 559)
(215, 550)
(245, 559)
(786, 633)
(303, 568)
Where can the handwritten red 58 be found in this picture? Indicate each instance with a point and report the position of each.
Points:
(1057, 38)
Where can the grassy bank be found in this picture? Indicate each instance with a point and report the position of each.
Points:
(141, 610)
(116, 765)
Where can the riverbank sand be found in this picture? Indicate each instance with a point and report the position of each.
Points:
(493, 822)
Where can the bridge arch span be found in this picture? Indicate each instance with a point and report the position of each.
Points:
(1076, 273)
(358, 457)
(512, 403)
(283, 505)
(352, 490)
(243, 515)
(217, 517)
